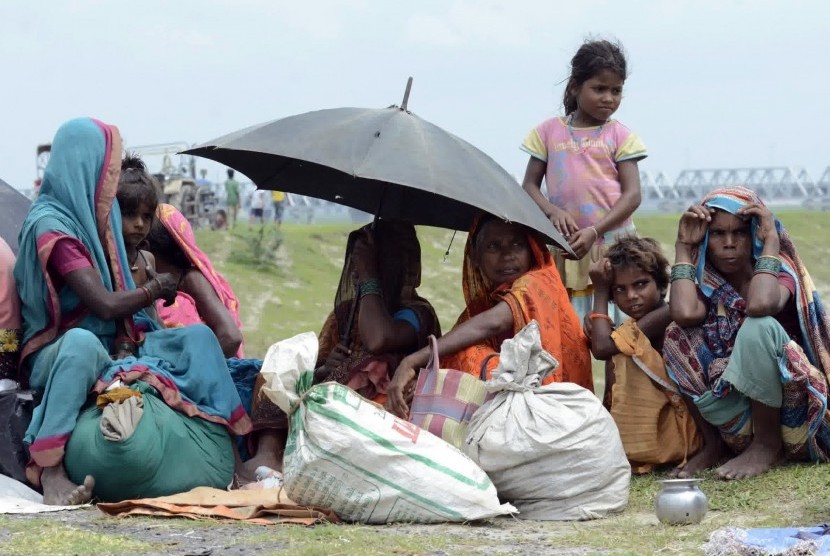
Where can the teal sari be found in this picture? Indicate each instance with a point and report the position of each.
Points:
(65, 353)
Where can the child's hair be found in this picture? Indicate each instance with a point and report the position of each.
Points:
(591, 58)
(643, 253)
(161, 244)
(230, 173)
(136, 185)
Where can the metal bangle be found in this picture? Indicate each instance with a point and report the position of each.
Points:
(683, 271)
(768, 264)
(369, 287)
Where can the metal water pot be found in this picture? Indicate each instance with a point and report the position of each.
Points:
(680, 502)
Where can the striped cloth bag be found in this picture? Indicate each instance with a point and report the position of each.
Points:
(445, 399)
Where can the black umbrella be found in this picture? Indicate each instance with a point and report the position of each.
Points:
(388, 162)
(13, 209)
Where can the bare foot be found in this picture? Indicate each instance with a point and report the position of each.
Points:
(755, 460)
(706, 458)
(269, 452)
(246, 472)
(58, 490)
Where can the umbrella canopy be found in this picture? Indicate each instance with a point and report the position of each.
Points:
(388, 162)
(13, 209)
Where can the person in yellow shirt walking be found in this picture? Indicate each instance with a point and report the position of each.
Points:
(278, 198)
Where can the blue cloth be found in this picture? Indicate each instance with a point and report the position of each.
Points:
(779, 539)
(408, 315)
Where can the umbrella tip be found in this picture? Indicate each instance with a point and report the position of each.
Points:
(406, 94)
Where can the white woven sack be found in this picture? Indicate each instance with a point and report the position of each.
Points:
(553, 451)
(348, 454)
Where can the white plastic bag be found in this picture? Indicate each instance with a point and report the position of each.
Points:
(553, 451)
(348, 454)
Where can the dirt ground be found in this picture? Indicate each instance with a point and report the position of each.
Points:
(182, 537)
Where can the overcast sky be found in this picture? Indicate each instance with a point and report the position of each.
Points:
(712, 83)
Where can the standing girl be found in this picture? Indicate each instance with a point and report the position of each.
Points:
(589, 163)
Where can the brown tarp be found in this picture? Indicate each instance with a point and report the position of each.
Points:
(263, 507)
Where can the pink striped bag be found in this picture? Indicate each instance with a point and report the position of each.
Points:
(445, 399)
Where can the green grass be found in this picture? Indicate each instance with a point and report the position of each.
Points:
(42, 535)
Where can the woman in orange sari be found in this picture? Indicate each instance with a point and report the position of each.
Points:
(509, 279)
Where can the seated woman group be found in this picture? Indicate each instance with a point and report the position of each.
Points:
(747, 349)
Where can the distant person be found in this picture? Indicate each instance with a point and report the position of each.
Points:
(232, 191)
(278, 200)
(655, 426)
(219, 220)
(257, 207)
(589, 164)
(750, 341)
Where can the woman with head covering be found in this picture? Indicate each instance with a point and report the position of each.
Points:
(83, 316)
(378, 318)
(749, 342)
(203, 296)
(509, 279)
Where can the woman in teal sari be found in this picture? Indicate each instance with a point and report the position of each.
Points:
(84, 327)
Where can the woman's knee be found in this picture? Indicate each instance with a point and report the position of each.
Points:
(201, 332)
(761, 331)
(81, 341)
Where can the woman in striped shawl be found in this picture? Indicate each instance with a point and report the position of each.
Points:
(749, 342)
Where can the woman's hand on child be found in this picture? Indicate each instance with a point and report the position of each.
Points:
(582, 241)
(563, 222)
(693, 225)
(401, 390)
(167, 287)
(766, 221)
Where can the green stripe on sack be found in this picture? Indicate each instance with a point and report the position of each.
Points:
(313, 405)
(443, 509)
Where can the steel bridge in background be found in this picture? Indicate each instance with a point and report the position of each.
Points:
(780, 186)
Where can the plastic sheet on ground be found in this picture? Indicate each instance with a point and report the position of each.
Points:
(17, 498)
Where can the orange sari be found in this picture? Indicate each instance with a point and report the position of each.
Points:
(537, 295)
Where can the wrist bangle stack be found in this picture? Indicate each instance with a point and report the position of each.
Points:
(767, 264)
(683, 271)
(369, 287)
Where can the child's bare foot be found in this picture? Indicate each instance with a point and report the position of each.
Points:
(269, 452)
(266, 459)
(58, 490)
(758, 458)
(706, 458)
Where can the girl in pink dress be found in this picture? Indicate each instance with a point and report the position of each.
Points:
(589, 164)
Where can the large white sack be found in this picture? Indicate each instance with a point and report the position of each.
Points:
(553, 451)
(348, 454)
